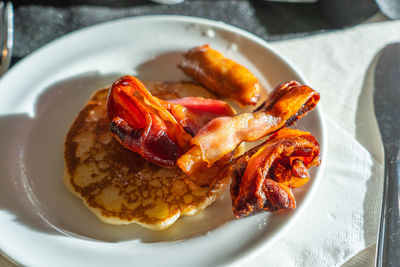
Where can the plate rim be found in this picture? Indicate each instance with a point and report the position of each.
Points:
(259, 246)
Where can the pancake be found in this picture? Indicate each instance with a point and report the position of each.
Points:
(118, 185)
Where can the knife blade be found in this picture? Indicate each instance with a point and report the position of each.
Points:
(387, 112)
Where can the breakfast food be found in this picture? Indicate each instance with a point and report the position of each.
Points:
(148, 153)
(120, 186)
(220, 75)
(159, 130)
(262, 178)
(285, 105)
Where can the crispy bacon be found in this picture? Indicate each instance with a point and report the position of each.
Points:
(221, 75)
(285, 105)
(195, 112)
(258, 183)
(158, 130)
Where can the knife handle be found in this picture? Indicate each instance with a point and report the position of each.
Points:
(388, 248)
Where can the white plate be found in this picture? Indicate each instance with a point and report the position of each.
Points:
(43, 224)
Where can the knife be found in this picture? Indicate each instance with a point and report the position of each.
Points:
(387, 112)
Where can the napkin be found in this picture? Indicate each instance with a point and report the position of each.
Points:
(343, 217)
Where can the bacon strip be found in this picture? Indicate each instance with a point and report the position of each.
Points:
(158, 130)
(285, 105)
(258, 183)
(195, 112)
(221, 75)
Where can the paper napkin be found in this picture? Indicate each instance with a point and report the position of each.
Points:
(344, 214)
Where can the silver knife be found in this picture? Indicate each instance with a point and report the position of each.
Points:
(387, 112)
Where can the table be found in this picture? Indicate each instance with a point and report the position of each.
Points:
(39, 22)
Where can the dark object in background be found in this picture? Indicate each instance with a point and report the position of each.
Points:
(60, 3)
(38, 22)
(342, 13)
(285, 18)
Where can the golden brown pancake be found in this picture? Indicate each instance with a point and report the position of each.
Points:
(118, 185)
